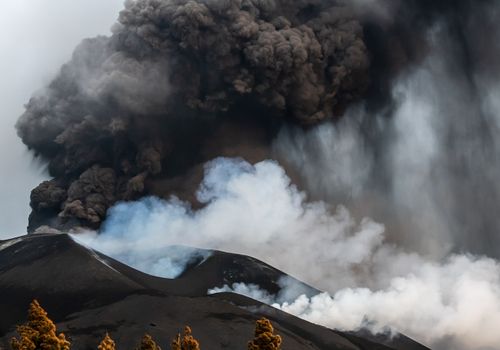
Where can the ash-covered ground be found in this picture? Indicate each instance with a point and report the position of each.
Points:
(89, 294)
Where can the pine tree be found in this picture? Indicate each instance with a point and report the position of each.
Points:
(107, 343)
(176, 343)
(187, 342)
(39, 332)
(147, 343)
(265, 339)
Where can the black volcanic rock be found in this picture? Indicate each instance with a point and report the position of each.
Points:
(221, 268)
(88, 294)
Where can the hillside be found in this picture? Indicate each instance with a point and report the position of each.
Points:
(87, 294)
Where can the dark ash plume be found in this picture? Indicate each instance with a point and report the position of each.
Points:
(174, 79)
(181, 82)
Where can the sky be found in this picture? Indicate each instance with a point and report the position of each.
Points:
(36, 38)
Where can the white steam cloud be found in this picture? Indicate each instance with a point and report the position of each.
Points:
(255, 210)
(459, 298)
(252, 210)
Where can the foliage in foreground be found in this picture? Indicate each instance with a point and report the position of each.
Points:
(265, 339)
(107, 343)
(187, 342)
(39, 333)
(147, 343)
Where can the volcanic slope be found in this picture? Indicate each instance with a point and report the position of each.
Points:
(88, 294)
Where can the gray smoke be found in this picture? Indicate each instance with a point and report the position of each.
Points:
(182, 82)
(430, 170)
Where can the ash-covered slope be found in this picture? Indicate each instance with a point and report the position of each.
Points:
(88, 294)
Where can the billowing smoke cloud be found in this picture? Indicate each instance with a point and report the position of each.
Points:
(250, 210)
(152, 100)
(181, 82)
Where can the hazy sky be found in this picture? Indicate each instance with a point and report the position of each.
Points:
(36, 37)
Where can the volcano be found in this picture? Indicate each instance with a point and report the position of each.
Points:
(88, 294)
